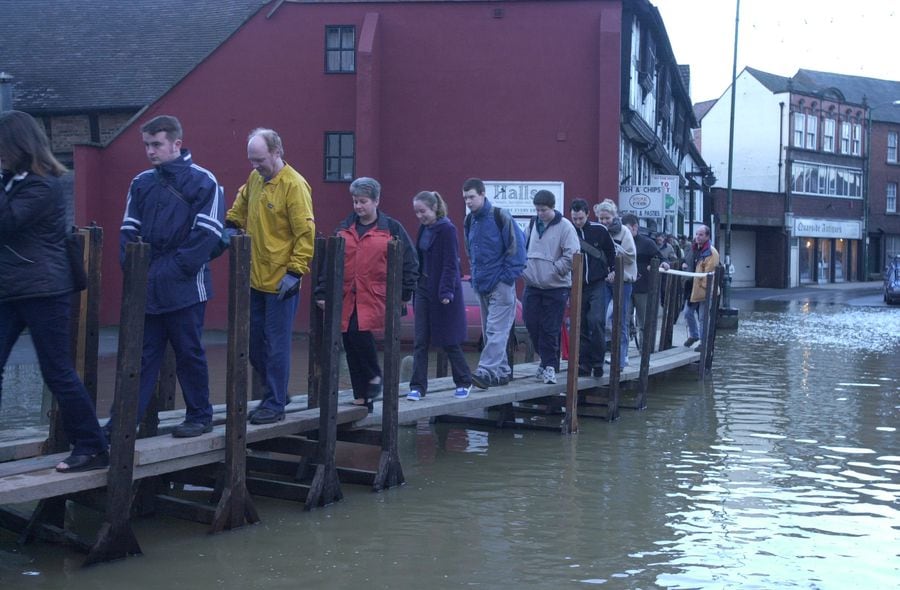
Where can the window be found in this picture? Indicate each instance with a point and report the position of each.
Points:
(892, 147)
(891, 200)
(799, 124)
(340, 49)
(857, 139)
(828, 135)
(339, 150)
(823, 180)
(811, 129)
(845, 138)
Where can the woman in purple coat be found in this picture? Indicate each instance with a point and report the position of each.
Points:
(439, 307)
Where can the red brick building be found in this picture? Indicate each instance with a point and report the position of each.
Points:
(419, 95)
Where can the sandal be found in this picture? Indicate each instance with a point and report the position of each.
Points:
(76, 463)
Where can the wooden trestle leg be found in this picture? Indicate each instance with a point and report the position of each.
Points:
(326, 487)
(390, 473)
(235, 507)
(116, 538)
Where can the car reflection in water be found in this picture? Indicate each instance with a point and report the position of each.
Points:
(474, 337)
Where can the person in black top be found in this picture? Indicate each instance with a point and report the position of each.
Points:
(38, 280)
(599, 259)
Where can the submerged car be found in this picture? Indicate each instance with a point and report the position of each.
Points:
(473, 320)
(892, 281)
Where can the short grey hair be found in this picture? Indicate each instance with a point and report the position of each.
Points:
(366, 187)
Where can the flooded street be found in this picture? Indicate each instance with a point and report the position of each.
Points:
(782, 470)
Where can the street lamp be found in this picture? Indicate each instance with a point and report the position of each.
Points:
(708, 180)
(865, 240)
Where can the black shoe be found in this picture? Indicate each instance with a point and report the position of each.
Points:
(690, 341)
(76, 463)
(584, 371)
(373, 391)
(481, 381)
(266, 416)
(598, 371)
(191, 429)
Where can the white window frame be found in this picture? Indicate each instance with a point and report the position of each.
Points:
(892, 147)
(799, 129)
(828, 135)
(890, 198)
(845, 137)
(811, 131)
(856, 142)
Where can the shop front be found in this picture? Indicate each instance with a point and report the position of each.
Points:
(828, 249)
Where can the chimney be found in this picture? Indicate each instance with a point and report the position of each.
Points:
(6, 92)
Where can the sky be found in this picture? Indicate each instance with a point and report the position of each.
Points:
(855, 37)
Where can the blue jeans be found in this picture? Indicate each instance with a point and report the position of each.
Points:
(593, 326)
(691, 310)
(626, 311)
(47, 319)
(271, 327)
(182, 328)
(544, 310)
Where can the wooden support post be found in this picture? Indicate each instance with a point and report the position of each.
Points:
(570, 422)
(116, 539)
(670, 311)
(710, 317)
(713, 317)
(390, 473)
(648, 337)
(325, 487)
(91, 334)
(163, 396)
(316, 326)
(235, 507)
(615, 353)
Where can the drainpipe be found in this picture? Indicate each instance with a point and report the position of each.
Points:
(5, 92)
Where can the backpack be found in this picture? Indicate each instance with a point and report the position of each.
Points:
(498, 219)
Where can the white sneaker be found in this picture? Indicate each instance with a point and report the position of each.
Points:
(549, 375)
(539, 376)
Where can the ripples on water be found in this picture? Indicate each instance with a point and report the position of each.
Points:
(780, 471)
(801, 488)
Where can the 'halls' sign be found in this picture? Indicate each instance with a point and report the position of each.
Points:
(516, 195)
(642, 201)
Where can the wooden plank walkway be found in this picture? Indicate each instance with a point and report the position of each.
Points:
(440, 401)
(35, 478)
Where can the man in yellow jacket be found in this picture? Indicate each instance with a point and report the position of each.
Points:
(705, 259)
(274, 207)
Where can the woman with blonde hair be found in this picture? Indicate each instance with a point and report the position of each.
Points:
(608, 215)
(439, 306)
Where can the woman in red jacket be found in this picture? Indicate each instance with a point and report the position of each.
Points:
(366, 234)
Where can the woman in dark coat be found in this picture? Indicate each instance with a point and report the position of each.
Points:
(36, 281)
(439, 306)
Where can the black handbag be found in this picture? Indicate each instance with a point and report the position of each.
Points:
(75, 253)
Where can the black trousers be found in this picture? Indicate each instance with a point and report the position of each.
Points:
(362, 357)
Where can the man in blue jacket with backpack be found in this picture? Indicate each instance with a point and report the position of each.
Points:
(178, 208)
(496, 248)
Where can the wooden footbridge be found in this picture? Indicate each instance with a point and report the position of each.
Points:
(294, 459)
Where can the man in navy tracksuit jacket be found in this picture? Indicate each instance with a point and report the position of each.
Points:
(178, 208)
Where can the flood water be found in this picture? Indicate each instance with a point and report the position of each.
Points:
(781, 470)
